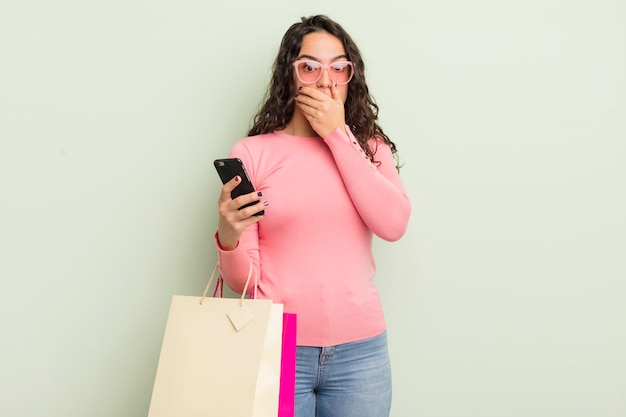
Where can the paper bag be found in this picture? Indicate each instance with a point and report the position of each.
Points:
(219, 357)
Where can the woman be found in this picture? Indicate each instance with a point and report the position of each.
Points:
(327, 179)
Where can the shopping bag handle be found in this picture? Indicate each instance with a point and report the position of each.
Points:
(245, 287)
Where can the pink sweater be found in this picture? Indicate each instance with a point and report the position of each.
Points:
(312, 250)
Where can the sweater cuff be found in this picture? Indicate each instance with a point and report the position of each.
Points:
(339, 141)
(339, 135)
(219, 247)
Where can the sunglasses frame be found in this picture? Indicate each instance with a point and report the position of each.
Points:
(322, 68)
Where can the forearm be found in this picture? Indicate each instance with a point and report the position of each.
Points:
(235, 264)
(375, 189)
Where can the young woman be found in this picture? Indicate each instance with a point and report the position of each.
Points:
(327, 179)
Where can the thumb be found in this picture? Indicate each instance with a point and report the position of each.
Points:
(333, 91)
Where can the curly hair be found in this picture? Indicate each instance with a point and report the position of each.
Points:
(361, 111)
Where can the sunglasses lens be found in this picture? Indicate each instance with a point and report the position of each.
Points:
(309, 71)
(340, 72)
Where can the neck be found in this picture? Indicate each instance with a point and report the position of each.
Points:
(299, 126)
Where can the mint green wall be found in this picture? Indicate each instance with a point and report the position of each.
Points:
(505, 297)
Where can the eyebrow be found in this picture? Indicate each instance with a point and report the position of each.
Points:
(343, 56)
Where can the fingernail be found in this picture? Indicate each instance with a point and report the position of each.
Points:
(299, 88)
(237, 178)
(259, 194)
(335, 85)
(296, 96)
(265, 203)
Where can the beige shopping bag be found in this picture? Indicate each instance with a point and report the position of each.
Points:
(220, 357)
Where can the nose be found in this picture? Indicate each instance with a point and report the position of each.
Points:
(324, 80)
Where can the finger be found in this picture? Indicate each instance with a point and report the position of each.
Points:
(305, 107)
(307, 110)
(334, 92)
(252, 210)
(229, 186)
(303, 100)
(316, 100)
(312, 93)
(250, 198)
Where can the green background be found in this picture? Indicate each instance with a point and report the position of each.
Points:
(504, 298)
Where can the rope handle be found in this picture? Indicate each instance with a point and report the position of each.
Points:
(220, 284)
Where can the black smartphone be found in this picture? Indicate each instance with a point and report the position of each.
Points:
(227, 169)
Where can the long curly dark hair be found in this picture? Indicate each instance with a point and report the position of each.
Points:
(361, 111)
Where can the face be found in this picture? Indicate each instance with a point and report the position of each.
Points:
(325, 49)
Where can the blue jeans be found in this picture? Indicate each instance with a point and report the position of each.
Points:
(349, 380)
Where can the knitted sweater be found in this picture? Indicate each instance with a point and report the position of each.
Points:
(312, 251)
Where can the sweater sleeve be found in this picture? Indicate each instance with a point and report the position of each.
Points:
(375, 188)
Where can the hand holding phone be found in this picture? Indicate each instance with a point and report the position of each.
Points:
(227, 169)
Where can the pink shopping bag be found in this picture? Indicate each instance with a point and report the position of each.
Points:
(288, 367)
